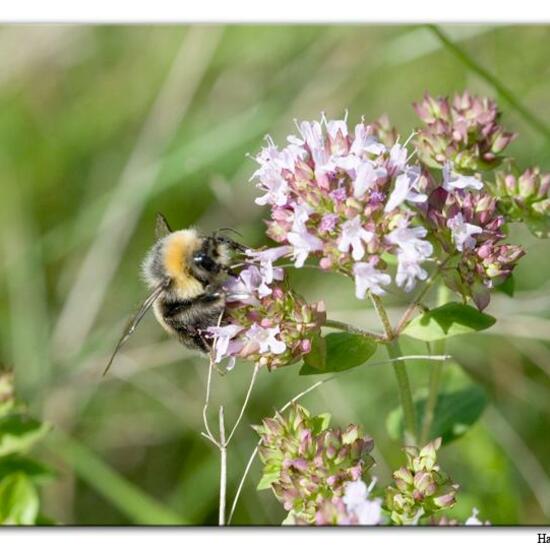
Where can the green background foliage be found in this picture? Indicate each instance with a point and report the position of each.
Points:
(103, 126)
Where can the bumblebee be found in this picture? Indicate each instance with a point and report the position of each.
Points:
(185, 272)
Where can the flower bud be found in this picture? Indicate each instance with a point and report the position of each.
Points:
(465, 131)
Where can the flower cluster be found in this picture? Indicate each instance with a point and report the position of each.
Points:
(420, 488)
(318, 473)
(525, 197)
(464, 131)
(264, 321)
(469, 230)
(352, 199)
(346, 198)
(309, 466)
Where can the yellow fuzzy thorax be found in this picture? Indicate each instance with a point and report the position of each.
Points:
(178, 250)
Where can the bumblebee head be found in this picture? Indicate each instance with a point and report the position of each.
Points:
(188, 260)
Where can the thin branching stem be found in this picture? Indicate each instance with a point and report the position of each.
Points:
(223, 441)
(207, 403)
(223, 468)
(245, 403)
(353, 330)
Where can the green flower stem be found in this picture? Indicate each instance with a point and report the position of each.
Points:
(400, 369)
(436, 372)
(382, 315)
(353, 330)
(405, 394)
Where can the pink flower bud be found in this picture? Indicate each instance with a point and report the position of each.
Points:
(305, 346)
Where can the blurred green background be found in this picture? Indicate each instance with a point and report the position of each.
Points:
(103, 126)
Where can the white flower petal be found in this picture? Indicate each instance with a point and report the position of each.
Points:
(368, 278)
(453, 181)
(462, 232)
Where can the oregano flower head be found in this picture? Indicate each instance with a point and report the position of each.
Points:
(420, 488)
(308, 464)
(343, 197)
(265, 321)
(464, 130)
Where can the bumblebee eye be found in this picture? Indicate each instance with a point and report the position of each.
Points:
(204, 261)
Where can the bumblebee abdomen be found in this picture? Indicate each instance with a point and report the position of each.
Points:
(189, 319)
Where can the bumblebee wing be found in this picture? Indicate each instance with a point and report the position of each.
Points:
(162, 227)
(134, 322)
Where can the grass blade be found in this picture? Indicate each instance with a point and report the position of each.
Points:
(136, 505)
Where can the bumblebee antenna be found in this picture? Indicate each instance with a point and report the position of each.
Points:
(235, 244)
(135, 320)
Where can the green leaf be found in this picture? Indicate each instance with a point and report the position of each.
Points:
(320, 422)
(37, 472)
(18, 433)
(507, 286)
(455, 412)
(452, 319)
(267, 480)
(18, 500)
(317, 357)
(343, 351)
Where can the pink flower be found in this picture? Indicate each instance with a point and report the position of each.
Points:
(222, 336)
(303, 244)
(335, 126)
(365, 142)
(353, 234)
(328, 222)
(409, 269)
(405, 190)
(312, 134)
(276, 190)
(406, 237)
(363, 510)
(369, 278)
(355, 493)
(367, 176)
(453, 181)
(301, 215)
(266, 259)
(474, 520)
(462, 232)
(252, 283)
(398, 157)
(412, 251)
(265, 339)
